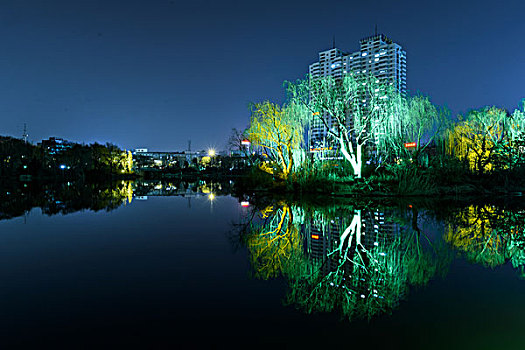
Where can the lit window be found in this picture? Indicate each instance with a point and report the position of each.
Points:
(364, 54)
(377, 59)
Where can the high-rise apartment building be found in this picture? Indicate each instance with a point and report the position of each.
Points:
(379, 56)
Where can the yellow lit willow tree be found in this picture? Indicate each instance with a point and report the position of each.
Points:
(279, 132)
(354, 111)
(488, 138)
(126, 162)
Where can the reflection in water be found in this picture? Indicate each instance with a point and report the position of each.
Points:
(63, 198)
(489, 235)
(276, 243)
(359, 261)
(16, 199)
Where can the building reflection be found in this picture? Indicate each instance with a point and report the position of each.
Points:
(359, 262)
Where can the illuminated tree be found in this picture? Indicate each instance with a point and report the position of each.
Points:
(127, 162)
(355, 112)
(510, 154)
(419, 121)
(279, 132)
(476, 139)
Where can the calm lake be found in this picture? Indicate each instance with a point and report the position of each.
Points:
(164, 265)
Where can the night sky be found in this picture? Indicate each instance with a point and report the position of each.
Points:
(157, 73)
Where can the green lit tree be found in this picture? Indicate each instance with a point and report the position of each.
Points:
(356, 112)
(419, 121)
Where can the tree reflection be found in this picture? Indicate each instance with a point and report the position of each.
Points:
(489, 235)
(276, 243)
(358, 261)
(63, 198)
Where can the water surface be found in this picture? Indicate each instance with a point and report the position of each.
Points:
(200, 271)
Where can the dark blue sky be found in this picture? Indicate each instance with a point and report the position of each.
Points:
(157, 73)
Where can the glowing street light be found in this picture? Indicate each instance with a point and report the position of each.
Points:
(211, 152)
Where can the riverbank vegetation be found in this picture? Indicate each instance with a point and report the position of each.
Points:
(356, 136)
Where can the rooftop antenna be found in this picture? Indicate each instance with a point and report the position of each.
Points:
(376, 29)
(25, 135)
(189, 145)
(333, 42)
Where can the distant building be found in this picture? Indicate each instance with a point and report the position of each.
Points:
(143, 158)
(378, 56)
(55, 145)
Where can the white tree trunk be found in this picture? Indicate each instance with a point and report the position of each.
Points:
(353, 229)
(353, 158)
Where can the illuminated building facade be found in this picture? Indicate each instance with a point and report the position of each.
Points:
(378, 56)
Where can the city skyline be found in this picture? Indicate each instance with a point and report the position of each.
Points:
(157, 74)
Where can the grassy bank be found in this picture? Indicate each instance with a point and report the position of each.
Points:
(442, 180)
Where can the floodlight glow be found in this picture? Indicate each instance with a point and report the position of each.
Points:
(211, 152)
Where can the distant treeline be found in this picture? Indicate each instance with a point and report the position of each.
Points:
(91, 162)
